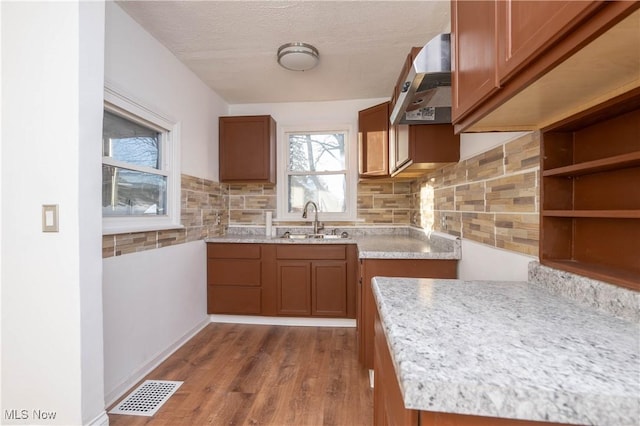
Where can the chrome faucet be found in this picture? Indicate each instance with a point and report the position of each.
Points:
(317, 226)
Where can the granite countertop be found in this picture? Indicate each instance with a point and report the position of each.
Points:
(371, 245)
(509, 349)
(406, 247)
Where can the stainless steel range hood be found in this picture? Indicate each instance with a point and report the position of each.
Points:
(425, 96)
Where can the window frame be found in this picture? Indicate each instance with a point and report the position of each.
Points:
(116, 102)
(350, 214)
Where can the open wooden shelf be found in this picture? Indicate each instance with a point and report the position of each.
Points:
(590, 193)
(602, 165)
(609, 214)
(602, 273)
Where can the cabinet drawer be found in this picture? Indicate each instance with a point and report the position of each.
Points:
(312, 252)
(233, 300)
(233, 272)
(233, 251)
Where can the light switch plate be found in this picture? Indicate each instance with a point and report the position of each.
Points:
(49, 218)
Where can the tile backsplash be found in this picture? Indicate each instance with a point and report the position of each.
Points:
(491, 198)
(203, 213)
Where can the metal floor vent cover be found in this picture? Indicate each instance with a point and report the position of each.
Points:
(147, 398)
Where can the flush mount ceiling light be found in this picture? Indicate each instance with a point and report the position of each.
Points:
(298, 56)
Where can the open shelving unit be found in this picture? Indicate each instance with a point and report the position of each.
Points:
(590, 193)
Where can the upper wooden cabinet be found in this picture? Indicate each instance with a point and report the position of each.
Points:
(421, 148)
(527, 28)
(373, 141)
(473, 54)
(522, 65)
(247, 149)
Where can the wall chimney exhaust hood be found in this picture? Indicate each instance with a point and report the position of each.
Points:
(425, 95)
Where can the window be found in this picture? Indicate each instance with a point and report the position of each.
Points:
(140, 173)
(316, 167)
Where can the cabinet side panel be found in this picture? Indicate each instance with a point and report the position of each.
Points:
(389, 397)
(434, 143)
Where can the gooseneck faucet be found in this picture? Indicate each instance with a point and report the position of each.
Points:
(316, 225)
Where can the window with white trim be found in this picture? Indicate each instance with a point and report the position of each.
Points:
(140, 168)
(316, 166)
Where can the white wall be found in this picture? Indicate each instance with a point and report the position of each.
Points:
(138, 64)
(155, 299)
(472, 144)
(91, 82)
(480, 261)
(311, 113)
(51, 104)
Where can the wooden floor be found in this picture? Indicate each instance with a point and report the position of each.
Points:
(264, 375)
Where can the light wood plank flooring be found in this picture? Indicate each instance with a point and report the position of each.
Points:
(264, 375)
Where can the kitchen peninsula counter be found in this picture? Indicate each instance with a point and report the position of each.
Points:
(509, 349)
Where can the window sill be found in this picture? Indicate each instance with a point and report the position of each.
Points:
(113, 230)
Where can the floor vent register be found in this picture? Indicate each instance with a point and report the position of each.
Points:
(147, 398)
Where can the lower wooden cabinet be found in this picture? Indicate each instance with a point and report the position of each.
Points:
(316, 280)
(234, 279)
(294, 288)
(329, 288)
(369, 268)
(302, 280)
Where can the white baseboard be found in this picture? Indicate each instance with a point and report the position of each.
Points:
(101, 419)
(291, 321)
(138, 375)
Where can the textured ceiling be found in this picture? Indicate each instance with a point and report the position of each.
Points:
(232, 45)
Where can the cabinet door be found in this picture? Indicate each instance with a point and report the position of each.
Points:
(473, 56)
(401, 146)
(434, 143)
(329, 288)
(373, 140)
(247, 149)
(294, 288)
(526, 28)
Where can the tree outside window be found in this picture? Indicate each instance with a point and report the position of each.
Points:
(316, 171)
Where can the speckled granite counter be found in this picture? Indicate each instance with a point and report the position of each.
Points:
(509, 349)
(373, 243)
